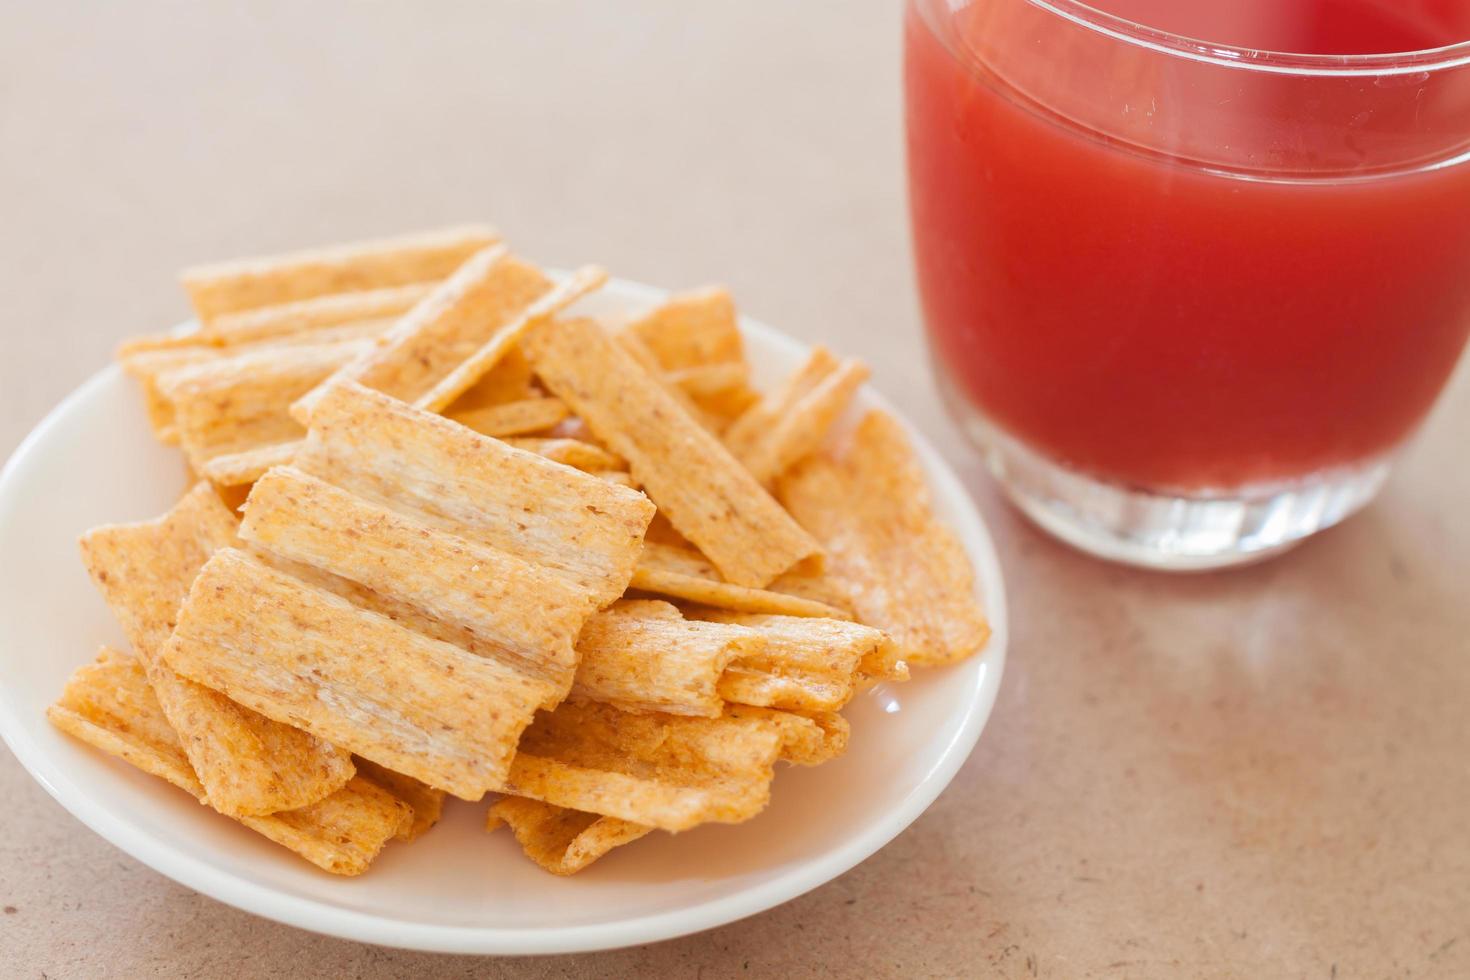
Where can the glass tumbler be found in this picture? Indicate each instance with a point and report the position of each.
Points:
(1187, 298)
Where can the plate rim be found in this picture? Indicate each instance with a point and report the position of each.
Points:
(312, 915)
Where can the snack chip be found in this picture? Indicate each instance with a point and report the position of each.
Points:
(377, 306)
(426, 802)
(437, 471)
(111, 706)
(908, 573)
(705, 493)
(298, 654)
(664, 771)
(560, 840)
(641, 655)
(248, 284)
(805, 663)
(241, 404)
(776, 432)
(569, 452)
(513, 418)
(248, 765)
(685, 574)
(692, 330)
(531, 613)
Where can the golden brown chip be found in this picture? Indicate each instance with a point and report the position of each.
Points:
(560, 840)
(569, 452)
(707, 380)
(807, 738)
(793, 421)
(434, 470)
(909, 575)
(242, 403)
(248, 765)
(685, 574)
(311, 315)
(529, 612)
(248, 284)
(244, 468)
(642, 655)
(508, 381)
(806, 664)
(472, 368)
(705, 493)
(426, 802)
(513, 418)
(485, 295)
(354, 678)
(691, 330)
(665, 771)
(111, 706)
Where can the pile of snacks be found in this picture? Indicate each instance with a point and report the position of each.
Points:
(449, 540)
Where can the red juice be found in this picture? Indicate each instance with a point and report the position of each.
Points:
(1170, 279)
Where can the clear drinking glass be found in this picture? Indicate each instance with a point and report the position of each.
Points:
(1188, 297)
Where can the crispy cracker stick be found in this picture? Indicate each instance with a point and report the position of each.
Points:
(235, 404)
(660, 770)
(693, 329)
(485, 294)
(807, 664)
(248, 765)
(807, 739)
(684, 574)
(706, 494)
(508, 381)
(748, 430)
(311, 315)
(427, 467)
(908, 573)
(531, 612)
(248, 284)
(642, 655)
(571, 452)
(474, 367)
(645, 358)
(801, 430)
(426, 802)
(560, 840)
(111, 706)
(418, 706)
(244, 468)
(707, 380)
(513, 418)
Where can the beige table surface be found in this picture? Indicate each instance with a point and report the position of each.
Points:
(1255, 774)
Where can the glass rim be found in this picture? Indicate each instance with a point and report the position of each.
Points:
(1122, 29)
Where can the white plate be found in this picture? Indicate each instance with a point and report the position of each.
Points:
(92, 461)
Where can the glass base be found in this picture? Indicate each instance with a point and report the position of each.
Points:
(1159, 530)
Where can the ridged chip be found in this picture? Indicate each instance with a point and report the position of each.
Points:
(249, 765)
(666, 771)
(426, 802)
(642, 655)
(513, 418)
(697, 484)
(793, 422)
(419, 706)
(111, 706)
(560, 840)
(434, 470)
(247, 284)
(908, 574)
(683, 573)
(805, 664)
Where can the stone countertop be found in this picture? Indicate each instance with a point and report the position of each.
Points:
(1255, 773)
